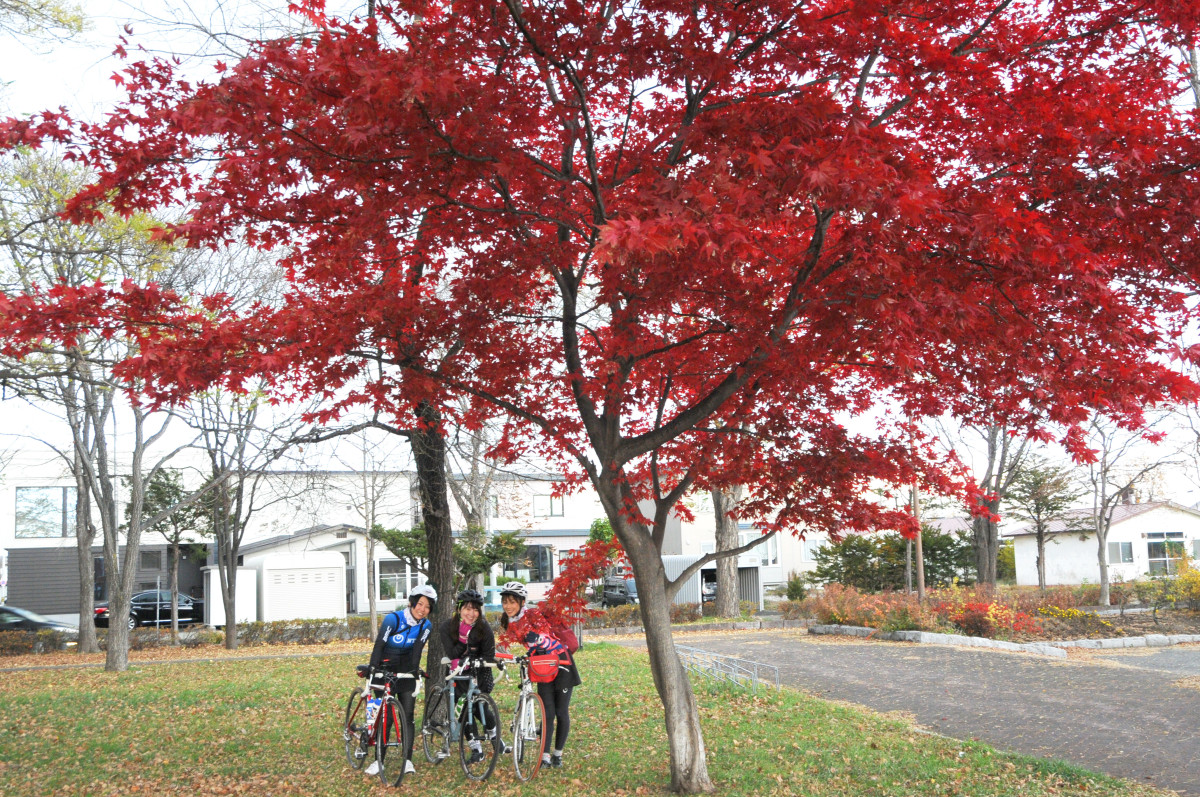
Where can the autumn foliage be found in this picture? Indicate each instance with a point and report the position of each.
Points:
(681, 245)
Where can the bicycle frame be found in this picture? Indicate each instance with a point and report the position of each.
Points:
(460, 672)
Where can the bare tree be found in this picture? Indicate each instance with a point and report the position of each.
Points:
(1004, 450)
(1119, 468)
(242, 443)
(375, 482)
(80, 378)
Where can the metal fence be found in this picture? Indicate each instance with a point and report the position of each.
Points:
(716, 667)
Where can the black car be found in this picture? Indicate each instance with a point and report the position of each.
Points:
(618, 590)
(154, 608)
(14, 619)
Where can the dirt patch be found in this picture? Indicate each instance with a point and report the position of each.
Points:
(1191, 682)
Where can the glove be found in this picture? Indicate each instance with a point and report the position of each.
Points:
(363, 670)
(531, 638)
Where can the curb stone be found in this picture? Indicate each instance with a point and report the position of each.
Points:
(1054, 649)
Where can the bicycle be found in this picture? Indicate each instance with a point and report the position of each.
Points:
(441, 726)
(528, 724)
(385, 730)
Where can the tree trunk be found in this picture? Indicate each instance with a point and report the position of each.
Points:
(85, 534)
(689, 765)
(429, 453)
(1102, 558)
(724, 502)
(173, 585)
(1041, 561)
(986, 540)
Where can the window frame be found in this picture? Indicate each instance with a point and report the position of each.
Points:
(66, 513)
(1124, 552)
(545, 506)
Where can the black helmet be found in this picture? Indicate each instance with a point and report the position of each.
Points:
(470, 596)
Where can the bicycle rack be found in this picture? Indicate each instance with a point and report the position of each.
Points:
(717, 667)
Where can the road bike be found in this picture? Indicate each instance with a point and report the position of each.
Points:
(386, 729)
(528, 723)
(441, 727)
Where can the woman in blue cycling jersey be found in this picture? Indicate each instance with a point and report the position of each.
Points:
(398, 647)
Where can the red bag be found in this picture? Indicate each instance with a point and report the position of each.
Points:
(565, 635)
(543, 668)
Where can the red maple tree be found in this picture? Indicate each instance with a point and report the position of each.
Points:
(679, 244)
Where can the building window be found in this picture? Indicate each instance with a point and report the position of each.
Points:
(1120, 553)
(1196, 550)
(547, 506)
(1164, 550)
(535, 566)
(45, 512)
(767, 552)
(493, 505)
(393, 580)
(151, 560)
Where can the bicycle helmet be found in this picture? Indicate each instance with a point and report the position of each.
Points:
(516, 589)
(470, 596)
(423, 591)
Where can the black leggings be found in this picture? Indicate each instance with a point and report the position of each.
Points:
(557, 702)
(402, 690)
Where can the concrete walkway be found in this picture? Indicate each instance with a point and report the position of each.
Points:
(1119, 712)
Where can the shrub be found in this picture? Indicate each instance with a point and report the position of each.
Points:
(685, 612)
(797, 590)
(794, 610)
(841, 605)
(984, 615)
(748, 608)
(15, 643)
(617, 617)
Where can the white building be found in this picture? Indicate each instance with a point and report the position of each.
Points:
(1143, 539)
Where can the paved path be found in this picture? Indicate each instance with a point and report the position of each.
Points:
(1118, 712)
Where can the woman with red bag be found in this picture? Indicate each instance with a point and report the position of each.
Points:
(530, 627)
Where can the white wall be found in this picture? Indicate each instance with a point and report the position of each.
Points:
(1071, 558)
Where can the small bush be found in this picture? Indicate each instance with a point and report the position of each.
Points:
(797, 589)
(685, 612)
(360, 627)
(794, 610)
(15, 643)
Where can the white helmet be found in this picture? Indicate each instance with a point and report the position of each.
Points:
(423, 591)
(516, 589)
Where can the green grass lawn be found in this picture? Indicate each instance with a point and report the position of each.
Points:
(272, 727)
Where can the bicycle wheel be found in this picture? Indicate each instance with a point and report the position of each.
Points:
(435, 729)
(529, 736)
(391, 740)
(478, 765)
(356, 751)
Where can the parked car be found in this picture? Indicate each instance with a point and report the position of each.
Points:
(154, 608)
(618, 590)
(708, 591)
(14, 619)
